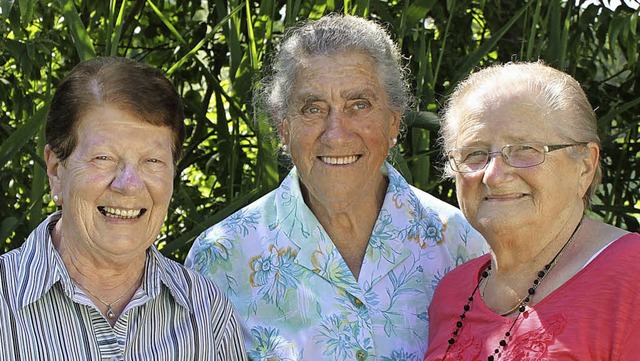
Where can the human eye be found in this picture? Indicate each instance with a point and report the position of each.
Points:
(473, 156)
(103, 160)
(156, 163)
(310, 110)
(361, 104)
(523, 150)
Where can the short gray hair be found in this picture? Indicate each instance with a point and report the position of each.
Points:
(555, 91)
(332, 34)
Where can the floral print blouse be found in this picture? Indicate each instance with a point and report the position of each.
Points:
(298, 297)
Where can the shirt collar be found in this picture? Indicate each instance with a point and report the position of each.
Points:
(301, 227)
(41, 267)
(159, 271)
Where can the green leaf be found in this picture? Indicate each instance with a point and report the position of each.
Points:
(421, 119)
(6, 6)
(26, 10)
(204, 41)
(81, 40)
(7, 227)
(166, 22)
(186, 238)
(416, 11)
(18, 139)
(475, 58)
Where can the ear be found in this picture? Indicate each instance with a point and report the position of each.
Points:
(589, 166)
(283, 130)
(394, 130)
(53, 166)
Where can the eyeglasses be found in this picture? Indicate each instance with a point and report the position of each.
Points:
(522, 155)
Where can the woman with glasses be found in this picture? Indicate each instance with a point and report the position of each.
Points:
(521, 142)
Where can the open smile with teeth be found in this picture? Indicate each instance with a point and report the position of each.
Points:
(340, 160)
(121, 213)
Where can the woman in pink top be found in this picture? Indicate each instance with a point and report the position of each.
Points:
(521, 141)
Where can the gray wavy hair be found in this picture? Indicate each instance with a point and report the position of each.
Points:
(332, 34)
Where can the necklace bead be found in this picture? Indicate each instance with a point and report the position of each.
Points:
(521, 305)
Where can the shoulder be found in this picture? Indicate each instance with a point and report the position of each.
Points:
(461, 278)
(185, 278)
(10, 259)
(469, 268)
(625, 251)
(237, 226)
(429, 201)
(459, 283)
(9, 274)
(189, 287)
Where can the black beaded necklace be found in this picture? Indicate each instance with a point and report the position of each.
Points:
(521, 306)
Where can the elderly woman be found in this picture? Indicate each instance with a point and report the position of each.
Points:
(522, 142)
(339, 262)
(88, 284)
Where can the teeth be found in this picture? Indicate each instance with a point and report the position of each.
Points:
(340, 160)
(121, 213)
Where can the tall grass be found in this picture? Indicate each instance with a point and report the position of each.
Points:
(214, 55)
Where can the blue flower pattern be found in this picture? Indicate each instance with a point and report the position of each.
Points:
(299, 298)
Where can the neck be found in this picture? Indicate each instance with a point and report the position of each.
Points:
(517, 251)
(102, 281)
(101, 270)
(504, 292)
(349, 224)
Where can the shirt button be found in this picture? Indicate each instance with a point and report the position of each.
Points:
(114, 358)
(361, 354)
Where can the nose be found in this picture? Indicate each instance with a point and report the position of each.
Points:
(127, 179)
(336, 129)
(496, 169)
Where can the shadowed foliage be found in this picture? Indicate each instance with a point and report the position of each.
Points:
(214, 50)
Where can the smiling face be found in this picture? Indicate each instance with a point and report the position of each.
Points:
(116, 185)
(339, 128)
(503, 199)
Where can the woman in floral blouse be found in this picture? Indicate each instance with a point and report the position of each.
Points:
(341, 260)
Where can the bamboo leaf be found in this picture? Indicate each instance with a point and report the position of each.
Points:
(416, 11)
(26, 10)
(38, 183)
(361, 8)
(81, 40)
(487, 46)
(204, 41)
(253, 50)
(7, 227)
(166, 22)
(533, 31)
(115, 27)
(21, 136)
(6, 6)
(617, 111)
(186, 238)
(423, 120)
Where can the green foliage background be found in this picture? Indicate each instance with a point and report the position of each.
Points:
(213, 51)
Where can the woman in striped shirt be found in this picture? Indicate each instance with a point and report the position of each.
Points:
(88, 284)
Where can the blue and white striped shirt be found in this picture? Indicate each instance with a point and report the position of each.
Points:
(174, 315)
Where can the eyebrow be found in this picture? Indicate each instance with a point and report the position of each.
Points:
(366, 93)
(362, 93)
(306, 98)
